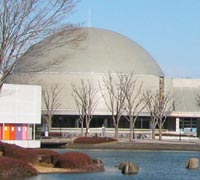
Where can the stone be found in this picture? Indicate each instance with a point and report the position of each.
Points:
(192, 163)
(121, 165)
(128, 168)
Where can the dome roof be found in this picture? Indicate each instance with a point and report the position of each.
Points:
(102, 51)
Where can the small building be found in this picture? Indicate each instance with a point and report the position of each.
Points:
(20, 111)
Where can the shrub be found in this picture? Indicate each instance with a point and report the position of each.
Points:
(28, 155)
(73, 160)
(15, 168)
(16, 152)
(47, 156)
(93, 140)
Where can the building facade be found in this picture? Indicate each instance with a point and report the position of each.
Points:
(20, 112)
(103, 52)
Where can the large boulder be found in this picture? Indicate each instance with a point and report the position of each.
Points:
(192, 163)
(128, 168)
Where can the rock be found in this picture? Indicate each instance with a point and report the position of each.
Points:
(98, 165)
(192, 163)
(128, 168)
(121, 165)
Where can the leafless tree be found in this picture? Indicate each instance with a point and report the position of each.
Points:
(133, 104)
(165, 109)
(151, 105)
(51, 98)
(24, 23)
(159, 109)
(86, 100)
(113, 93)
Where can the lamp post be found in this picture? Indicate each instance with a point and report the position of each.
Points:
(180, 123)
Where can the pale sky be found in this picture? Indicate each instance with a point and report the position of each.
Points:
(168, 29)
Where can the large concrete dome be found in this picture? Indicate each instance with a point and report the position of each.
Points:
(102, 51)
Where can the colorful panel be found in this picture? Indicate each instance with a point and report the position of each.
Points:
(6, 132)
(30, 136)
(12, 132)
(1, 131)
(19, 132)
(24, 131)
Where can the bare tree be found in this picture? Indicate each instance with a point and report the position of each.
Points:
(165, 108)
(24, 23)
(86, 100)
(159, 109)
(50, 96)
(134, 104)
(152, 107)
(113, 92)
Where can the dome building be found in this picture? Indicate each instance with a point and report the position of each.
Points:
(101, 52)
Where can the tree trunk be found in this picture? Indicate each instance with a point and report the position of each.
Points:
(49, 122)
(87, 129)
(116, 132)
(153, 133)
(132, 135)
(153, 128)
(160, 134)
(116, 125)
(82, 128)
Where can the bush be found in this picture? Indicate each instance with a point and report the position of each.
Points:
(15, 168)
(93, 140)
(16, 152)
(46, 156)
(73, 160)
(16, 161)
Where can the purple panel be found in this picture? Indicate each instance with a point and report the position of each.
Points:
(19, 132)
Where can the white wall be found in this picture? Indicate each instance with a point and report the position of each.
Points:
(24, 143)
(20, 104)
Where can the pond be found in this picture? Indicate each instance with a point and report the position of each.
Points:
(154, 165)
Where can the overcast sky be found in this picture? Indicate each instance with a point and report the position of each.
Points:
(168, 29)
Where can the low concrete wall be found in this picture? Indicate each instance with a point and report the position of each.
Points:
(24, 143)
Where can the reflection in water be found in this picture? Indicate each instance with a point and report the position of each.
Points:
(154, 165)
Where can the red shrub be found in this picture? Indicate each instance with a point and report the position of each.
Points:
(73, 160)
(93, 140)
(45, 152)
(53, 155)
(14, 151)
(15, 168)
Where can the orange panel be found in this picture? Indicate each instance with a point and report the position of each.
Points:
(12, 132)
(6, 132)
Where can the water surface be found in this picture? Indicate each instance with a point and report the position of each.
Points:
(154, 165)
